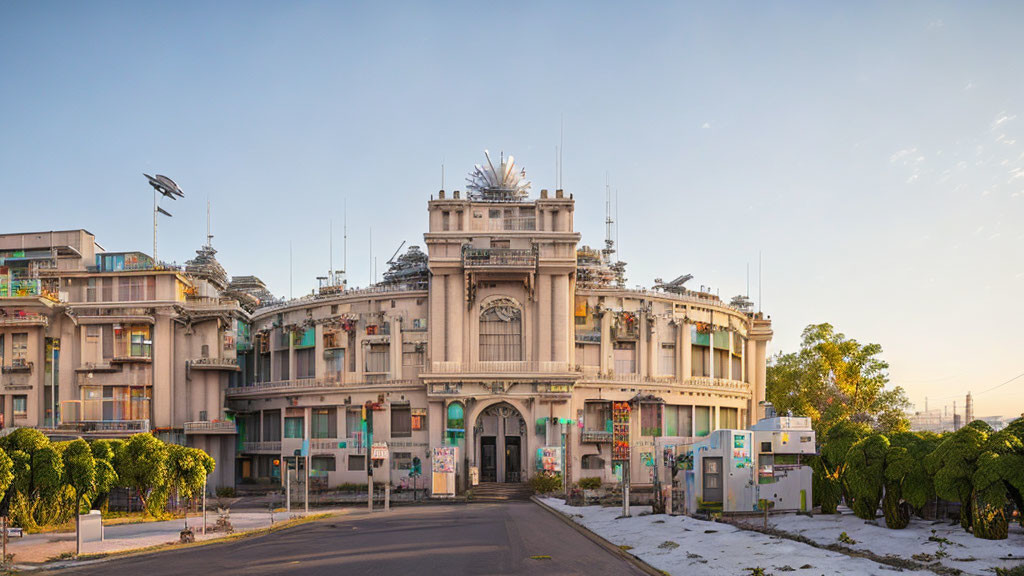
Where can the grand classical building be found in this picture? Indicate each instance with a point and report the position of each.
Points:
(504, 337)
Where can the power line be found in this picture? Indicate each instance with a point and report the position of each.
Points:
(1021, 375)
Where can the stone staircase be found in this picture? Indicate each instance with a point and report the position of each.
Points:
(498, 492)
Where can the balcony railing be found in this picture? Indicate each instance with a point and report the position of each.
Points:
(215, 364)
(588, 336)
(18, 366)
(508, 367)
(106, 426)
(302, 384)
(523, 223)
(498, 258)
(269, 447)
(595, 436)
(24, 319)
(25, 288)
(211, 427)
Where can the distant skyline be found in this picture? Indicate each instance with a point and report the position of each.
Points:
(871, 152)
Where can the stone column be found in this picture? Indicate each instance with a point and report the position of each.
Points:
(561, 315)
(653, 349)
(544, 297)
(606, 363)
(762, 375)
(436, 320)
(395, 348)
(456, 309)
(687, 344)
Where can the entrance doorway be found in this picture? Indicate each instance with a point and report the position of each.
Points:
(513, 458)
(488, 459)
(500, 444)
(713, 479)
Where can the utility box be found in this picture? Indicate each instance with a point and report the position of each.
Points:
(90, 528)
(722, 473)
(784, 478)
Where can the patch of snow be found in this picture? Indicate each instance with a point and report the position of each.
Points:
(713, 548)
(974, 556)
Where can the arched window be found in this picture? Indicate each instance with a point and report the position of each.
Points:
(501, 332)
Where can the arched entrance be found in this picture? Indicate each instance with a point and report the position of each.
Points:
(500, 444)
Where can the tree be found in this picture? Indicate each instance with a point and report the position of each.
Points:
(106, 475)
(829, 467)
(6, 473)
(187, 469)
(908, 486)
(142, 466)
(80, 472)
(833, 378)
(865, 474)
(953, 464)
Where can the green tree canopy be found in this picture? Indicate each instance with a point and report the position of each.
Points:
(865, 474)
(830, 466)
(834, 378)
(79, 469)
(142, 466)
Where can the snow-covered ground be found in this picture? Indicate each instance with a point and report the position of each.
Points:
(681, 545)
(951, 546)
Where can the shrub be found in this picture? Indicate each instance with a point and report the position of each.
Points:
(592, 483)
(226, 492)
(545, 483)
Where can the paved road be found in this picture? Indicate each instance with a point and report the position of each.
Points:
(432, 540)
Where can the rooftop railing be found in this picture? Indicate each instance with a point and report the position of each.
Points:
(262, 447)
(211, 427)
(505, 367)
(498, 258)
(301, 384)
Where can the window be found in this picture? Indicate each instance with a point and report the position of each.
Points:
(107, 290)
(320, 465)
(356, 462)
(667, 364)
(378, 358)
(412, 353)
(766, 447)
(19, 348)
(701, 364)
(729, 418)
(90, 290)
(305, 363)
(107, 332)
(401, 421)
(650, 419)
(419, 419)
(335, 360)
(353, 421)
(293, 427)
(20, 402)
(678, 420)
(702, 420)
(92, 333)
(597, 416)
(592, 462)
(624, 354)
(283, 371)
(132, 288)
(501, 333)
(324, 423)
(401, 460)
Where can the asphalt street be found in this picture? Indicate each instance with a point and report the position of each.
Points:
(501, 538)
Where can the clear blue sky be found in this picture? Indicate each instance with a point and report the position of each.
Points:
(872, 151)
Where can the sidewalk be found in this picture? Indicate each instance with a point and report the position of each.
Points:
(39, 548)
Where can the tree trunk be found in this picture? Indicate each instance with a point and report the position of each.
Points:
(897, 511)
(990, 521)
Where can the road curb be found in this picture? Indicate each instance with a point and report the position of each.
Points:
(593, 537)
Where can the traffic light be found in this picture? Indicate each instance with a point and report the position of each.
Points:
(417, 467)
(277, 462)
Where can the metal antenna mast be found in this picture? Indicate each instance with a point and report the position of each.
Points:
(169, 189)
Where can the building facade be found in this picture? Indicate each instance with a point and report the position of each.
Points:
(506, 338)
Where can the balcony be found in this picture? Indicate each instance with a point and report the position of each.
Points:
(112, 427)
(211, 427)
(596, 436)
(96, 367)
(588, 336)
(24, 319)
(18, 366)
(511, 224)
(215, 364)
(272, 447)
(507, 367)
(485, 258)
(305, 385)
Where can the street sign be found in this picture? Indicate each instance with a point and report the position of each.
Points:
(342, 444)
(379, 451)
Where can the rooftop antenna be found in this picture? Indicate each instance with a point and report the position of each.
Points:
(759, 287)
(344, 258)
(209, 237)
(442, 174)
(608, 243)
(291, 293)
(169, 189)
(372, 275)
(617, 223)
(330, 244)
(561, 147)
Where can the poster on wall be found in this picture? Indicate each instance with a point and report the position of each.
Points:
(549, 459)
(442, 466)
(620, 431)
(741, 451)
